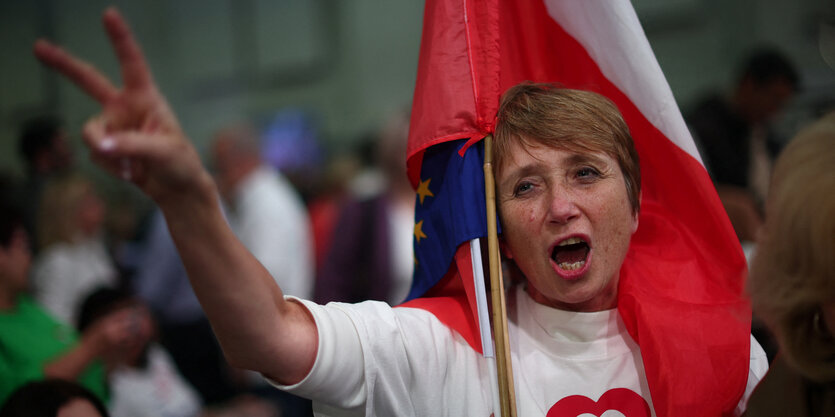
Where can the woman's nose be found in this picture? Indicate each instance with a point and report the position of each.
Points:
(563, 207)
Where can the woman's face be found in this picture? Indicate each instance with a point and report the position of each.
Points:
(91, 212)
(567, 223)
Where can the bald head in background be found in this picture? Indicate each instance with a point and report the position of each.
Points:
(235, 154)
(268, 214)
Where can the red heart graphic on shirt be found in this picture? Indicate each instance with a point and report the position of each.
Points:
(624, 400)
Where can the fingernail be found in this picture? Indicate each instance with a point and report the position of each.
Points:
(107, 144)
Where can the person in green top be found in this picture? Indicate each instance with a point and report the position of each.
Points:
(34, 345)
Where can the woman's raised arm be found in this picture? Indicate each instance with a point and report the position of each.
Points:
(138, 138)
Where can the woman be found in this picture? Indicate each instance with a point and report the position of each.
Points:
(792, 281)
(72, 260)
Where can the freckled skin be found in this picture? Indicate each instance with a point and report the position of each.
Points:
(546, 195)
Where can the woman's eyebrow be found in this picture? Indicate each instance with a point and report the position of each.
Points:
(585, 158)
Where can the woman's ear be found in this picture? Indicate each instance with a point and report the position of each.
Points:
(636, 213)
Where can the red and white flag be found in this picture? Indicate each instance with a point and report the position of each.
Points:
(681, 286)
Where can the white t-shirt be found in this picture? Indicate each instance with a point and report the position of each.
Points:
(156, 391)
(64, 274)
(377, 361)
(271, 220)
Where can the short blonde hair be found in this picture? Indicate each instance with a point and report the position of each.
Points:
(575, 120)
(57, 210)
(793, 271)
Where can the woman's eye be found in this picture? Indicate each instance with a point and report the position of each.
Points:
(587, 172)
(523, 188)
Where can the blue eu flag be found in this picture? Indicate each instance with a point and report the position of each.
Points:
(450, 209)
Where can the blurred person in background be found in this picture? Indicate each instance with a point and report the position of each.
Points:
(326, 202)
(44, 146)
(33, 343)
(735, 139)
(792, 280)
(53, 398)
(73, 259)
(143, 381)
(265, 211)
(370, 254)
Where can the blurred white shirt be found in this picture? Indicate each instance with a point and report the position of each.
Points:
(271, 220)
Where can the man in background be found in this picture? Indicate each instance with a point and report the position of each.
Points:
(44, 146)
(370, 254)
(735, 140)
(265, 211)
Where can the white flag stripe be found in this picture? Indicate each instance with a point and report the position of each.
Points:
(481, 300)
(610, 32)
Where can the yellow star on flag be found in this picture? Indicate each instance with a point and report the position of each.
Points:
(419, 231)
(423, 190)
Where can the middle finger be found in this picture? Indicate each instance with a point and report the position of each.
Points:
(135, 72)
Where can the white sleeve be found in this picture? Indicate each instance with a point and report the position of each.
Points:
(375, 360)
(756, 371)
(336, 382)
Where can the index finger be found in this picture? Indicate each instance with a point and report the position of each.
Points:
(135, 72)
(84, 75)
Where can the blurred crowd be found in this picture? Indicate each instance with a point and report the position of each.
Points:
(92, 289)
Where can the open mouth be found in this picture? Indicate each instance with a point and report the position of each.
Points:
(571, 254)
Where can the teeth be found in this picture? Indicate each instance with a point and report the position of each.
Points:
(570, 241)
(572, 266)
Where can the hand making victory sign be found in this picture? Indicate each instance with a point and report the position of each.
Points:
(137, 137)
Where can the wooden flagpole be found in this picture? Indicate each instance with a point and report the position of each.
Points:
(504, 369)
